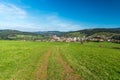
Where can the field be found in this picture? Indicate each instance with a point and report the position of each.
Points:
(24, 60)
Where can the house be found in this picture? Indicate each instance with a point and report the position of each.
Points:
(97, 39)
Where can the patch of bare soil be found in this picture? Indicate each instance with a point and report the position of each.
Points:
(42, 70)
(69, 73)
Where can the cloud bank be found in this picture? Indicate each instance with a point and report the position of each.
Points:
(14, 17)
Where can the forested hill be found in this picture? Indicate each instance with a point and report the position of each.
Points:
(50, 33)
(15, 34)
(7, 32)
(98, 30)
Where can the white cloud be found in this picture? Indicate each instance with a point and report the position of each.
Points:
(40, 27)
(10, 11)
(56, 23)
(14, 17)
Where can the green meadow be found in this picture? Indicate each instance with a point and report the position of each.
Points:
(27, 60)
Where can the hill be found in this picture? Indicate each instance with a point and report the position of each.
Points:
(43, 35)
(94, 32)
(98, 30)
(17, 35)
(50, 33)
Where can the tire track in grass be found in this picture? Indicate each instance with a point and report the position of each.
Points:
(16, 75)
(42, 70)
(69, 73)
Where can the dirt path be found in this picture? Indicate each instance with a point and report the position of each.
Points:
(42, 70)
(16, 75)
(68, 73)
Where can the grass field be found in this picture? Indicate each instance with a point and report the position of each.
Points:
(21, 60)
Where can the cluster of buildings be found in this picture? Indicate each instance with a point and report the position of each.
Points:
(82, 39)
(66, 39)
(99, 39)
(102, 39)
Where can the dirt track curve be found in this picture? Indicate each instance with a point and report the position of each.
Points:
(42, 70)
(69, 73)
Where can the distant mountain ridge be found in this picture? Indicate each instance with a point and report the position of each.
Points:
(50, 33)
(88, 32)
(9, 31)
(98, 30)
(7, 34)
(15, 34)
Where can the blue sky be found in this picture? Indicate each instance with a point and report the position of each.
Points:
(59, 15)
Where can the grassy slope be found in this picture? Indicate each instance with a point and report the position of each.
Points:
(20, 60)
(94, 62)
(54, 68)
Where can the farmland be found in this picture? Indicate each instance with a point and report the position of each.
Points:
(27, 60)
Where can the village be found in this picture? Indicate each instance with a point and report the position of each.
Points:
(83, 39)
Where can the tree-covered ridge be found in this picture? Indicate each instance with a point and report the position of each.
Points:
(43, 35)
(101, 32)
(98, 30)
(18, 35)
